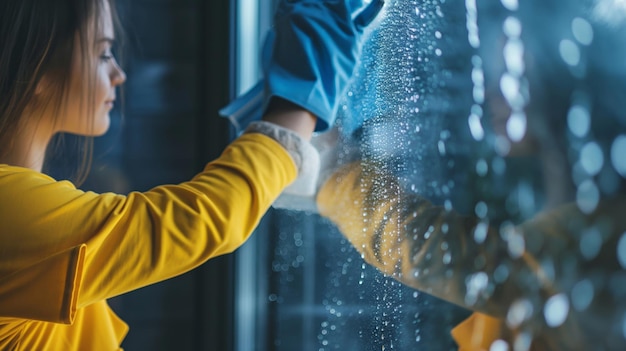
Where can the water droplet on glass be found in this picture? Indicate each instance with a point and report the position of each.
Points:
(613, 12)
(476, 127)
(478, 76)
(516, 126)
(501, 274)
(512, 27)
(502, 146)
(442, 147)
(499, 345)
(514, 57)
(481, 209)
(578, 121)
(482, 167)
(522, 342)
(516, 245)
(591, 158)
(472, 23)
(519, 312)
(556, 310)
(618, 155)
(590, 243)
(510, 88)
(570, 53)
(587, 196)
(447, 258)
(582, 30)
(439, 12)
(621, 251)
(480, 232)
(479, 94)
(476, 284)
(511, 5)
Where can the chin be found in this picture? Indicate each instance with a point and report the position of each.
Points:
(101, 126)
(98, 133)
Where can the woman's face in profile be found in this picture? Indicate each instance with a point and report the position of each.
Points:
(94, 77)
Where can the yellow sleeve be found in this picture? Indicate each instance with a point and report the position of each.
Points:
(461, 260)
(422, 245)
(63, 249)
(477, 332)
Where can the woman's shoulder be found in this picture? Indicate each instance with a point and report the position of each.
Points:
(11, 174)
(24, 184)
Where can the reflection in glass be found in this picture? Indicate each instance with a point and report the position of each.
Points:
(479, 159)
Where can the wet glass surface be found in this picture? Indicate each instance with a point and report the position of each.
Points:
(484, 146)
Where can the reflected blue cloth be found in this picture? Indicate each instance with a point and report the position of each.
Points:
(308, 58)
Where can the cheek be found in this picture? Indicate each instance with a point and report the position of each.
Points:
(102, 86)
(90, 114)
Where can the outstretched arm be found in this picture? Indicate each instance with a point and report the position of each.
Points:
(457, 258)
(529, 276)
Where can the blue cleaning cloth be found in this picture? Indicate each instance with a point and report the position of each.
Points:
(308, 59)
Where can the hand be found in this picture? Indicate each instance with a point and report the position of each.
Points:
(309, 57)
(334, 150)
(287, 115)
(312, 51)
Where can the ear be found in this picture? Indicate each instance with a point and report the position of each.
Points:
(42, 86)
(42, 92)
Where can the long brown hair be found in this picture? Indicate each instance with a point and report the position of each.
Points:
(38, 40)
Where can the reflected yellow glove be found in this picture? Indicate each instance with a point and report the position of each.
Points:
(334, 150)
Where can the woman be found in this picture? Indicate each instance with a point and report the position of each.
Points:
(65, 251)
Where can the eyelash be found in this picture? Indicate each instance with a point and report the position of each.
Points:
(106, 57)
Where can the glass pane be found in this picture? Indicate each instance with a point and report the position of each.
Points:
(323, 296)
(483, 147)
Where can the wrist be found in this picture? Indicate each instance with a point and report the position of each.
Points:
(291, 116)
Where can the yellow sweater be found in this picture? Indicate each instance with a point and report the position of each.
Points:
(63, 251)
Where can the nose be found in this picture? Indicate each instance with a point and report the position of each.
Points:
(118, 76)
